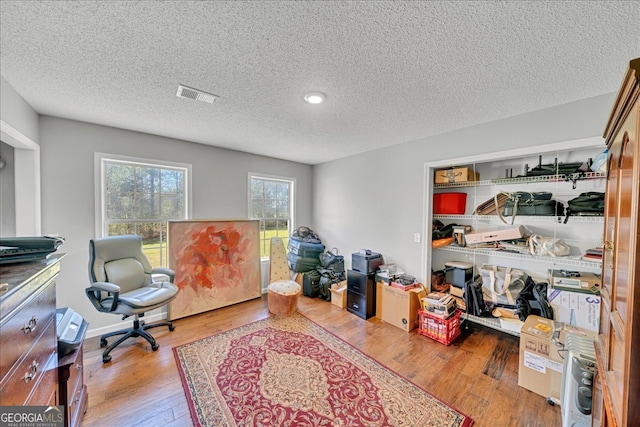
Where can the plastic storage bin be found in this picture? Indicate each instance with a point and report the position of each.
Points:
(449, 203)
(441, 330)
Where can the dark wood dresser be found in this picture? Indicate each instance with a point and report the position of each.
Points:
(29, 356)
(73, 392)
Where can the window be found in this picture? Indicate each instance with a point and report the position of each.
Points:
(138, 197)
(271, 201)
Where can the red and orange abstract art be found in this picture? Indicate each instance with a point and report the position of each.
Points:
(217, 263)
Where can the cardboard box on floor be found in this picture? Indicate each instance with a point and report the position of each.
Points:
(381, 282)
(400, 308)
(541, 359)
(339, 294)
(538, 356)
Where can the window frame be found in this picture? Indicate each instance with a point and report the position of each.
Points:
(292, 200)
(100, 161)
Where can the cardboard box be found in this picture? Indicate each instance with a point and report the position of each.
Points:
(447, 176)
(584, 282)
(339, 294)
(495, 235)
(538, 356)
(381, 282)
(400, 308)
(575, 308)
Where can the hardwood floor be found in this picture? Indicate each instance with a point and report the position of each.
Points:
(477, 374)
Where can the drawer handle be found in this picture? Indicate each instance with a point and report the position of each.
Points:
(32, 373)
(31, 326)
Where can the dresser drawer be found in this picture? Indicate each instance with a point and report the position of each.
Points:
(35, 374)
(45, 392)
(24, 327)
(75, 388)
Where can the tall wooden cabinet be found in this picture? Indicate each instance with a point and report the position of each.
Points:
(617, 396)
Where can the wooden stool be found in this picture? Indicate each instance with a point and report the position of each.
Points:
(282, 297)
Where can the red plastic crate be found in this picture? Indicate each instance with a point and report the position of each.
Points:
(441, 330)
(449, 203)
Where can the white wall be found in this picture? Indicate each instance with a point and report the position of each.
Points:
(219, 186)
(19, 129)
(375, 200)
(17, 112)
(7, 192)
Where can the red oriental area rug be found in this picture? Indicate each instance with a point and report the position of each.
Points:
(289, 371)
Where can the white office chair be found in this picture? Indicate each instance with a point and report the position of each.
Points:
(121, 283)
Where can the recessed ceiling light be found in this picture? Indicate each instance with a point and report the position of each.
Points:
(315, 98)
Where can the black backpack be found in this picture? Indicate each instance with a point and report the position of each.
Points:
(533, 300)
(311, 284)
(589, 203)
(474, 299)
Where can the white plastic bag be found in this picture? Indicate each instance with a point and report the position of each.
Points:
(548, 246)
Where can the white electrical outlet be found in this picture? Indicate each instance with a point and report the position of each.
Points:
(416, 237)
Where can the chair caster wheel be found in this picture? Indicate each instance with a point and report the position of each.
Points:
(171, 328)
(154, 347)
(106, 359)
(103, 343)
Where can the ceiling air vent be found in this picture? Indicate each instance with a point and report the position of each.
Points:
(195, 94)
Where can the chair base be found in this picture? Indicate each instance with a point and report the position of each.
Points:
(139, 330)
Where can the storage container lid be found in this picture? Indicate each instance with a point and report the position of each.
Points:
(458, 264)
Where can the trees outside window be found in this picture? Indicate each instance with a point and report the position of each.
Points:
(271, 200)
(139, 198)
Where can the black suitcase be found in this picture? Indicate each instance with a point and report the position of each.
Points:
(305, 249)
(302, 264)
(311, 284)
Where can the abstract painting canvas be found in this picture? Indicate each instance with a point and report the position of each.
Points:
(217, 263)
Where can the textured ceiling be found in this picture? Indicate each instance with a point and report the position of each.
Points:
(392, 71)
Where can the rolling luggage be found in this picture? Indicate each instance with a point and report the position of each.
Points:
(305, 249)
(302, 264)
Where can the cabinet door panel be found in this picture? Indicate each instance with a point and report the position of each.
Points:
(611, 213)
(625, 229)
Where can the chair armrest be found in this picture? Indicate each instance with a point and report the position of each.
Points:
(94, 292)
(161, 270)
